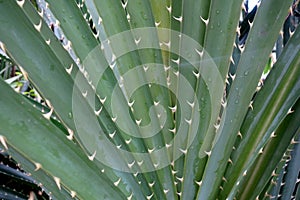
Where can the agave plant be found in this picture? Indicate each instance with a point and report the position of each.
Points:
(153, 99)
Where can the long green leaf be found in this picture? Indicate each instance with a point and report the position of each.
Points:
(40, 176)
(58, 156)
(55, 55)
(262, 170)
(195, 28)
(260, 41)
(280, 91)
(293, 168)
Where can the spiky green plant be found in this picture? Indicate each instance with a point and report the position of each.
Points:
(153, 99)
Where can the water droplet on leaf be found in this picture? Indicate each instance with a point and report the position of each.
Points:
(145, 17)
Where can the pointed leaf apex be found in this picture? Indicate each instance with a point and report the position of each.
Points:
(250, 24)
(217, 126)
(57, 181)
(198, 182)
(37, 166)
(97, 112)
(116, 183)
(157, 23)
(38, 26)
(173, 109)
(200, 52)
(204, 20)
(73, 194)
(151, 150)
(196, 74)
(273, 135)
(156, 165)
(92, 157)
(69, 70)
(71, 134)
(150, 196)
(138, 121)
(156, 103)
(128, 141)
(137, 41)
(114, 119)
(290, 111)
(168, 145)
(184, 151)
(240, 135)
(111, 135)
(294, 141)
(20, 3)
(169, 8)
(3, 141)
(232, 60)
(189, 121)
(208, 153)
(224, 179)
(131, 164)
(124, 4)
(166, 68)
(130, 196)
(140, 162)
(178, 18)
(48, 115)
(151, 184)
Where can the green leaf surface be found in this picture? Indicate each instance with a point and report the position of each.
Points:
(58, 156)
(261, 171)
(293, 168)
(273, 101)
(260, 42)
(60, 92)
